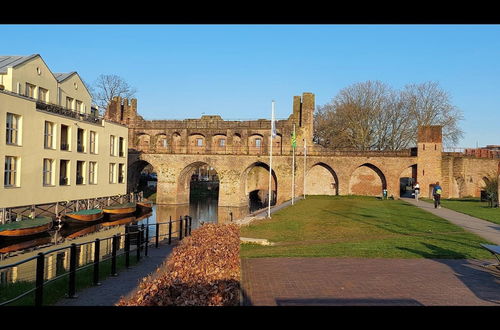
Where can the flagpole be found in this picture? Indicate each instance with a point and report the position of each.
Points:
(305, 153)
(293, 167)
(270, 162)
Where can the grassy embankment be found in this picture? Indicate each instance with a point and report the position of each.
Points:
(355, 226)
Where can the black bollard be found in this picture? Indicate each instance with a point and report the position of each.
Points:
(127, 246)
(138, 250)
(180, 231)
(157, 234)
(186, 229)
(146, 246)
(96, 261)
(170, 232)
(40, 267)
(72, 272)
(114, 247)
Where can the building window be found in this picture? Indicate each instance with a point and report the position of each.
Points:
(80, 138)
(121, 173)
(258, 143)
(10, 172)
(48, 165)
(79, 107)
(63, 172)
(199, 142)
(13, 125)
(222, 142)
(93, 142)
(65, 137)
(92, 172)
(49, 135)
(112, 173)
(112, 145)
(69, 103)
(43, 94)
(30, 90)
(121, 146)
(79, 171)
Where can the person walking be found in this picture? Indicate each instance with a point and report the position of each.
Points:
(416, 189)
(436, 193)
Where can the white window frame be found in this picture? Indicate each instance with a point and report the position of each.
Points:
(112, 172)
(13, 128)
(92, 172)
(48, 173)
(49, 137)
(11, 171)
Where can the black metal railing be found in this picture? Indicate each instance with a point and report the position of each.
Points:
(57, 109)
(134, 235)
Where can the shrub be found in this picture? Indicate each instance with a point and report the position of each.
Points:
(203, 270)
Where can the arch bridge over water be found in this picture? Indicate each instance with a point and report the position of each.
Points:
(238, 151)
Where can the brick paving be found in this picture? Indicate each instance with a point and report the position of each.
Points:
(377, 282)
(368, 282)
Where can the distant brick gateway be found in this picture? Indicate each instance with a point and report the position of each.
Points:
(239, 152)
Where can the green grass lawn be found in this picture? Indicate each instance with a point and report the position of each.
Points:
(355, 226)
(473, 207)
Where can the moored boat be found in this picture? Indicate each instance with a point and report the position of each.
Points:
(120, 209)
(145, 206)
(84, 216)
(27, 227)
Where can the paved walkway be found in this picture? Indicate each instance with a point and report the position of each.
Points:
(483, 228)
(377, 282)
(113, 288)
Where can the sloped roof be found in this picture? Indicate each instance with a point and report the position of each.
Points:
(63, 76)
(12, 61)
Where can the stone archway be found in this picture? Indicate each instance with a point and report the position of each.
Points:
(255, 186)
(199, 172)
(141, 176)
(407, 180)
(367, 180)
(321, 179)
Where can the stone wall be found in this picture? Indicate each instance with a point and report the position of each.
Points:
(175, 147)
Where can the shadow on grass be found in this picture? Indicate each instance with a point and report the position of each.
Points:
(478, 280)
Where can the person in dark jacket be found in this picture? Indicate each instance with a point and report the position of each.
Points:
(436, 193)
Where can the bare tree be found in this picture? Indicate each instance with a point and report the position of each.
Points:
(428, 104)
(108, 86)
(373, 116)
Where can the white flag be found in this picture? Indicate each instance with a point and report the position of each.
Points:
(273, 124)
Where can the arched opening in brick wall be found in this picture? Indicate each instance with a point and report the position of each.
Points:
(407, 180)
(176, 144)
(256, 145)
(161, 142)
(219, 144)
(321, 179)
(142, 141)
(196, 143)
(141, 176)
(198, 184)
(255, 180)
(367, 180)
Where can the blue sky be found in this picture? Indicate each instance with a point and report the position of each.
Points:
(184, 71)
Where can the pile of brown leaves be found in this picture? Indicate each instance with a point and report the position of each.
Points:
(203, 270)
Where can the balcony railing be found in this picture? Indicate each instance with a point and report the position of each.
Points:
(59, 110)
